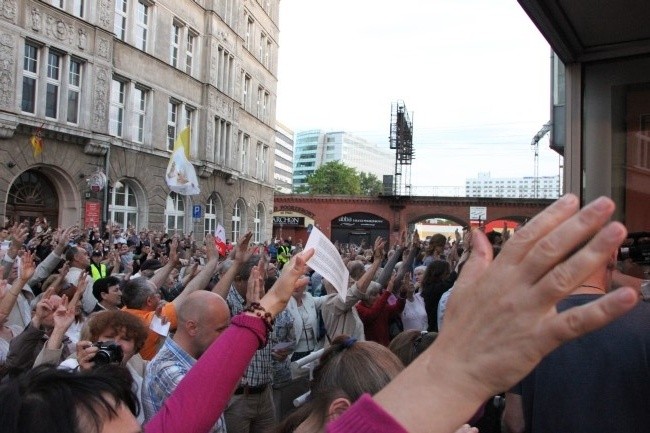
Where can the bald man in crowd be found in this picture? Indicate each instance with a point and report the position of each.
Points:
(201, 319)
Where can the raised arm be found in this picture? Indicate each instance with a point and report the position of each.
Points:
(407, 288)
(387, 272)
(19, 233)
(47, 266)
(408, 263)
(23, 346)
(201, 281)
(63, 317)
(160, 277)
(240, 255)
(191, 271)
(11, 296)
(113, 262)
(378, 255)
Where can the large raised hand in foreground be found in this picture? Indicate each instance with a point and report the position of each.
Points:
(501, 320)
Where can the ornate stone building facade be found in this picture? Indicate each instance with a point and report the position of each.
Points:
(108, 85)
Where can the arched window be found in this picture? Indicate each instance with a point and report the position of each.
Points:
(123, 207)
(258, 221)
(175, 213)
(238, 219)
(32, 195)
(210, 220)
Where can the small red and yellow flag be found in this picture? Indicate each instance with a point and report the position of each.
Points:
(37, 141)
(37, 144)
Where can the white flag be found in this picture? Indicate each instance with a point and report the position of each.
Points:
(220, 233)
(181, 176)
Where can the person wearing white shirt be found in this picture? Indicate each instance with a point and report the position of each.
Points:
(304, 308)
(414, 315)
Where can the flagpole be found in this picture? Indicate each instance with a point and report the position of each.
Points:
(107, 165)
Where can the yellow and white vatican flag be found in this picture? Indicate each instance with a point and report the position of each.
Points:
(181, 176)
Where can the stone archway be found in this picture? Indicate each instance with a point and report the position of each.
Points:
(44, 191)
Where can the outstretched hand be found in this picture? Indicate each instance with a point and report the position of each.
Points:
(173, 251)
(292, 276)
(241, 252)
(62, 238)
(27, 266)
(378, 250)
(255, 284)
(531, 275)
(501, 319)
(18, 233)
(211, 247)
(64, 314)
(43, 308)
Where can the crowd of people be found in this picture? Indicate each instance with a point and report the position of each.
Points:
(129, 331)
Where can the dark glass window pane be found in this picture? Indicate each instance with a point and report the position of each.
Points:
(29, 94)
(51, 100)
(73, 106)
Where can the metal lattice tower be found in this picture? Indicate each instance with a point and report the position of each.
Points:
(401, 139)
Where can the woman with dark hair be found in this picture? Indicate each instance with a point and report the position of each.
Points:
(437, 280)
(49, 400)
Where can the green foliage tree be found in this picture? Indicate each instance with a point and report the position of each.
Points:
(370, 184)
(338, 179)
(334, 178)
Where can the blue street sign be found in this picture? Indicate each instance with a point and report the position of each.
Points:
(196, 211)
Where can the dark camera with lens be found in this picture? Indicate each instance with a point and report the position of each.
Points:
(109, 353)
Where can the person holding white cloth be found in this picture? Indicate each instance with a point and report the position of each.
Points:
(304, 308)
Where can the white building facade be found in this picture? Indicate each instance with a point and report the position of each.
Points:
(283, 164)
(511, 187)
(315, 148)
(109, 84)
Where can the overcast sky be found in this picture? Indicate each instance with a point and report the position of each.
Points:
(474, 74)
